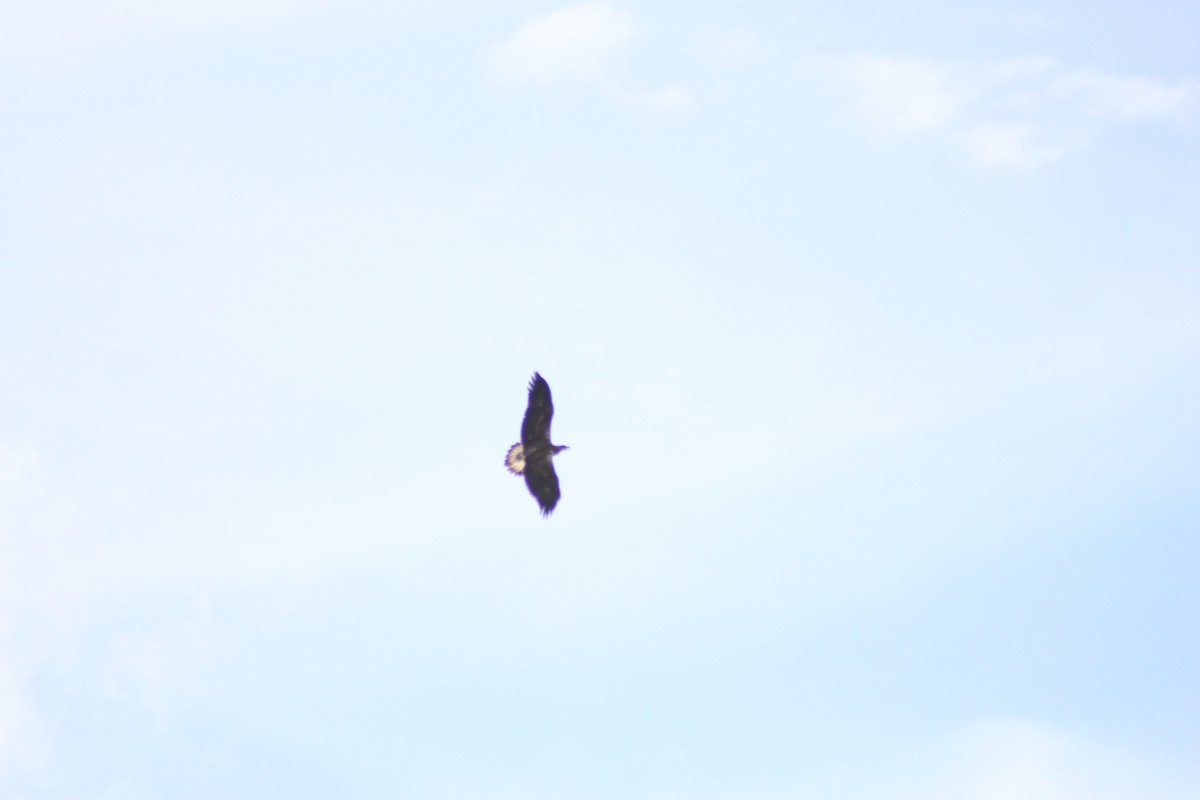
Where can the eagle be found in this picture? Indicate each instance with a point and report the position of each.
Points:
(533, 455)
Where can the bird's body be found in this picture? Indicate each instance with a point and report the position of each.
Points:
(533, 456)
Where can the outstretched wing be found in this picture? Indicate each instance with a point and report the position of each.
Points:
(542, 482)
(535, 429)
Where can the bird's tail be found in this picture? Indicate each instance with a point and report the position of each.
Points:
(515, 459)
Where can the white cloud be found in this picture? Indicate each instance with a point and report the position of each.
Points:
(1011, 146)
(901, 96)
(18, 481)
(158, 667)
(1126, 98)
(1000, 759)
(34, 36)
(1003, 759)
(22, 732)
(672, 100)
(580, 46)
(22, 527)
(1014, 759)
(1014, 115)
(740, 48)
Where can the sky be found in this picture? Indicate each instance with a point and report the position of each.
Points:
(871, 327)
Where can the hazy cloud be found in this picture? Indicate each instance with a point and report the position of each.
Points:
(1013, 145)
(56, 32)
(22, 500)
(1007, 759)
(157, 667)
(1000, 759)
(21, 729)
(580, 46)
(901, 96)
(1131, 99)
(1014, 758)
(738, 48)
(1013, 115)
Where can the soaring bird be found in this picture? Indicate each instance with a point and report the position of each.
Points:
(533, 455)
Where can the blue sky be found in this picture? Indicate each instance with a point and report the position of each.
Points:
(872, 329)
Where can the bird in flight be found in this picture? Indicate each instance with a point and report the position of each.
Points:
(533, 455)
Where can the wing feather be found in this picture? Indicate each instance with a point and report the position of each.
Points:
(542, 482)
(535, 429)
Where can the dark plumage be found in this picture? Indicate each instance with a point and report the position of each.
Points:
(533, 456)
